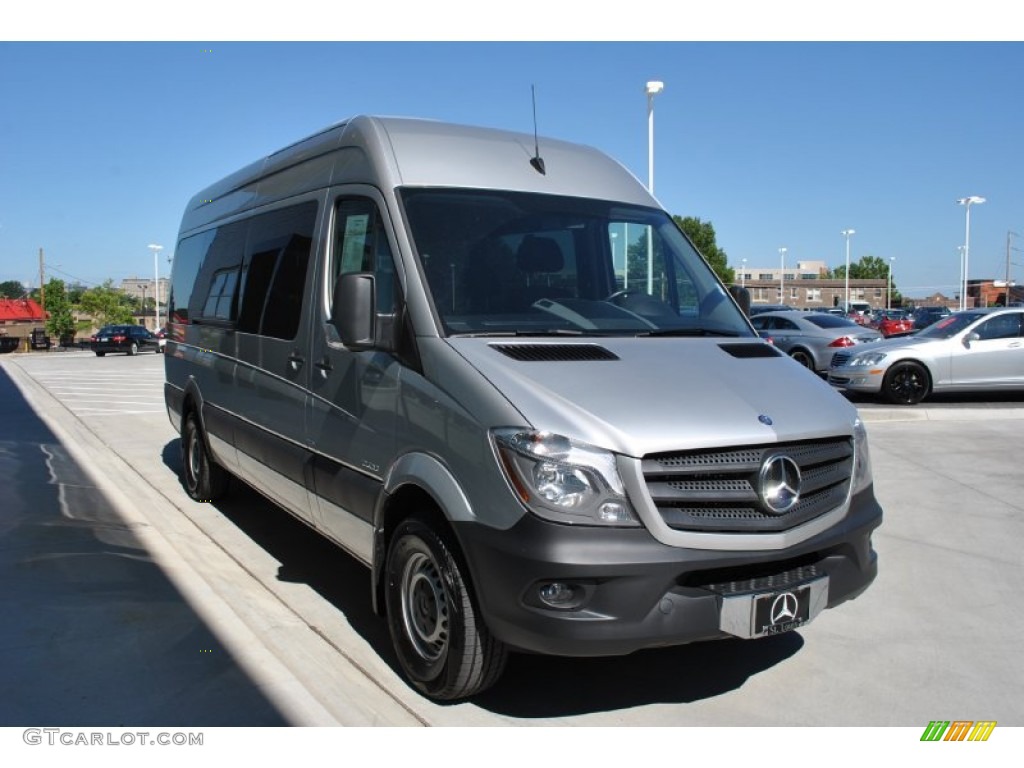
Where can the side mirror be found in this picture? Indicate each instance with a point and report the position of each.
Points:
(352, 312)
(972, 336)
(742, 297)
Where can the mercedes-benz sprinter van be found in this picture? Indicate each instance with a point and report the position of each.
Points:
(496, 372)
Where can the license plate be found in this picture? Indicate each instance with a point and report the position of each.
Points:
(781, 612)
(104, 338)
(762, 614)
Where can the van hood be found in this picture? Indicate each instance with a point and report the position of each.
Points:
(638, 396)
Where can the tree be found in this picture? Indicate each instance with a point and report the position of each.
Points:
(702, 233)
(106, 305)
(61, 321)
(868, 268)
(11, 289)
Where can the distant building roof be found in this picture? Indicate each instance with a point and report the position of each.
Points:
(21, 309)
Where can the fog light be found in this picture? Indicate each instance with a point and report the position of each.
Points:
(558, 595)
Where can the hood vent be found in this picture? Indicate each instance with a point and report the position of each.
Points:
(558, 353)
(758, 349)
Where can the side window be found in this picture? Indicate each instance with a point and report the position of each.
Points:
(216, 287)
(278, 249)
(361, 245)
(1000, 327)
(188, 258)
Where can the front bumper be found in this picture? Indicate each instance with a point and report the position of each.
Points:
(635, 592)
(859, 379)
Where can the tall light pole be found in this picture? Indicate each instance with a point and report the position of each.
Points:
(782, 276)
(743, 274)
(967, 202)
(846, 233)
(1006, 301)
(156, 285)
(888, 294)
(653, 87)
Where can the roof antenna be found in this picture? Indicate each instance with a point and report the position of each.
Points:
(536, 161)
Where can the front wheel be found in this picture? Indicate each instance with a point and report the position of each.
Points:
(133, 349)
(906, 384)
(444, 647)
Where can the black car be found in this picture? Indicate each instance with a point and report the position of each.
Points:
(131, 339)
(925, 316)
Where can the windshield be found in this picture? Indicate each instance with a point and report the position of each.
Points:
(513, 263)
(949, 326)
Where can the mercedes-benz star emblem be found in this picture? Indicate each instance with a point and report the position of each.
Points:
(779, 483)
(784, 608)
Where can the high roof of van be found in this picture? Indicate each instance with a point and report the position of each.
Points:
(391, 152)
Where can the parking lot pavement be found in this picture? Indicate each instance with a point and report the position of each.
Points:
(934, 637)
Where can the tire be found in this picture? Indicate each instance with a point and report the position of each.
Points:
(443, 646)
(805, 358)
(100, 354)
(204, 480)
(133, 350)
(906, 384)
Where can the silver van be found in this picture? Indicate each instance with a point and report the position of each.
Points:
(495, 371)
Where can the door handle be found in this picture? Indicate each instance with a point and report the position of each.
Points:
(324, 364)
(295, 361)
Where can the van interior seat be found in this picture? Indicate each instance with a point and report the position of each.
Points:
(538, 258)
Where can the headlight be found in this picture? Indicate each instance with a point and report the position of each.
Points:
(861, 458)
(866, 358)
(563, 480)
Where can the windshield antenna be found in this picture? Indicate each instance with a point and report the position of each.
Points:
(536, 161)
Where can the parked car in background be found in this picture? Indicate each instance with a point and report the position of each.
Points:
(974, 350)
(892, 322)
(811, 338)
(130, 339)
(161, 337)
(758, 309)
(922, 317)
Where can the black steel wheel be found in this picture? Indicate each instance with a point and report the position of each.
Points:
(204, 479)
(906, 383)
(444, 647)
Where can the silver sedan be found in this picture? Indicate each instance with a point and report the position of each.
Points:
(979, 349)
(811, 338)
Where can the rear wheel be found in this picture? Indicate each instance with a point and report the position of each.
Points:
(906, 384)
(133, 349)
(100, 354)
(204, 479)
(444, 647)
(803, 357)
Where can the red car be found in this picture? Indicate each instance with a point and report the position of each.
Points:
(893, 324)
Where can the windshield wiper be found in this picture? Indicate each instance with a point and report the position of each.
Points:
(687, 332)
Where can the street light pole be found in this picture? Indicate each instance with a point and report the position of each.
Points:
(968, 202)
(888, 295)
(782, 276)
(743, 274)
(653, 87)
(156, 285)
(846, 233)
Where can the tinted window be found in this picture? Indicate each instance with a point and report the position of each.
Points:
(279, 245)
(216, 288)
(829, 321)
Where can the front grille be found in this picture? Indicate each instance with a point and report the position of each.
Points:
(840, 358)
(717, 491)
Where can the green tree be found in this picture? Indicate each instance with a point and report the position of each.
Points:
(868, 268)
(11, 289)
(106, 305)
(60, 321)
(702, 233)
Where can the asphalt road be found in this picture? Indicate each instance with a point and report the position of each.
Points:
(126, 603)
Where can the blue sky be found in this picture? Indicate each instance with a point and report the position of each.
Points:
(777, 144)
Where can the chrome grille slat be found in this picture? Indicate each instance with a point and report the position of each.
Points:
(717, 491)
